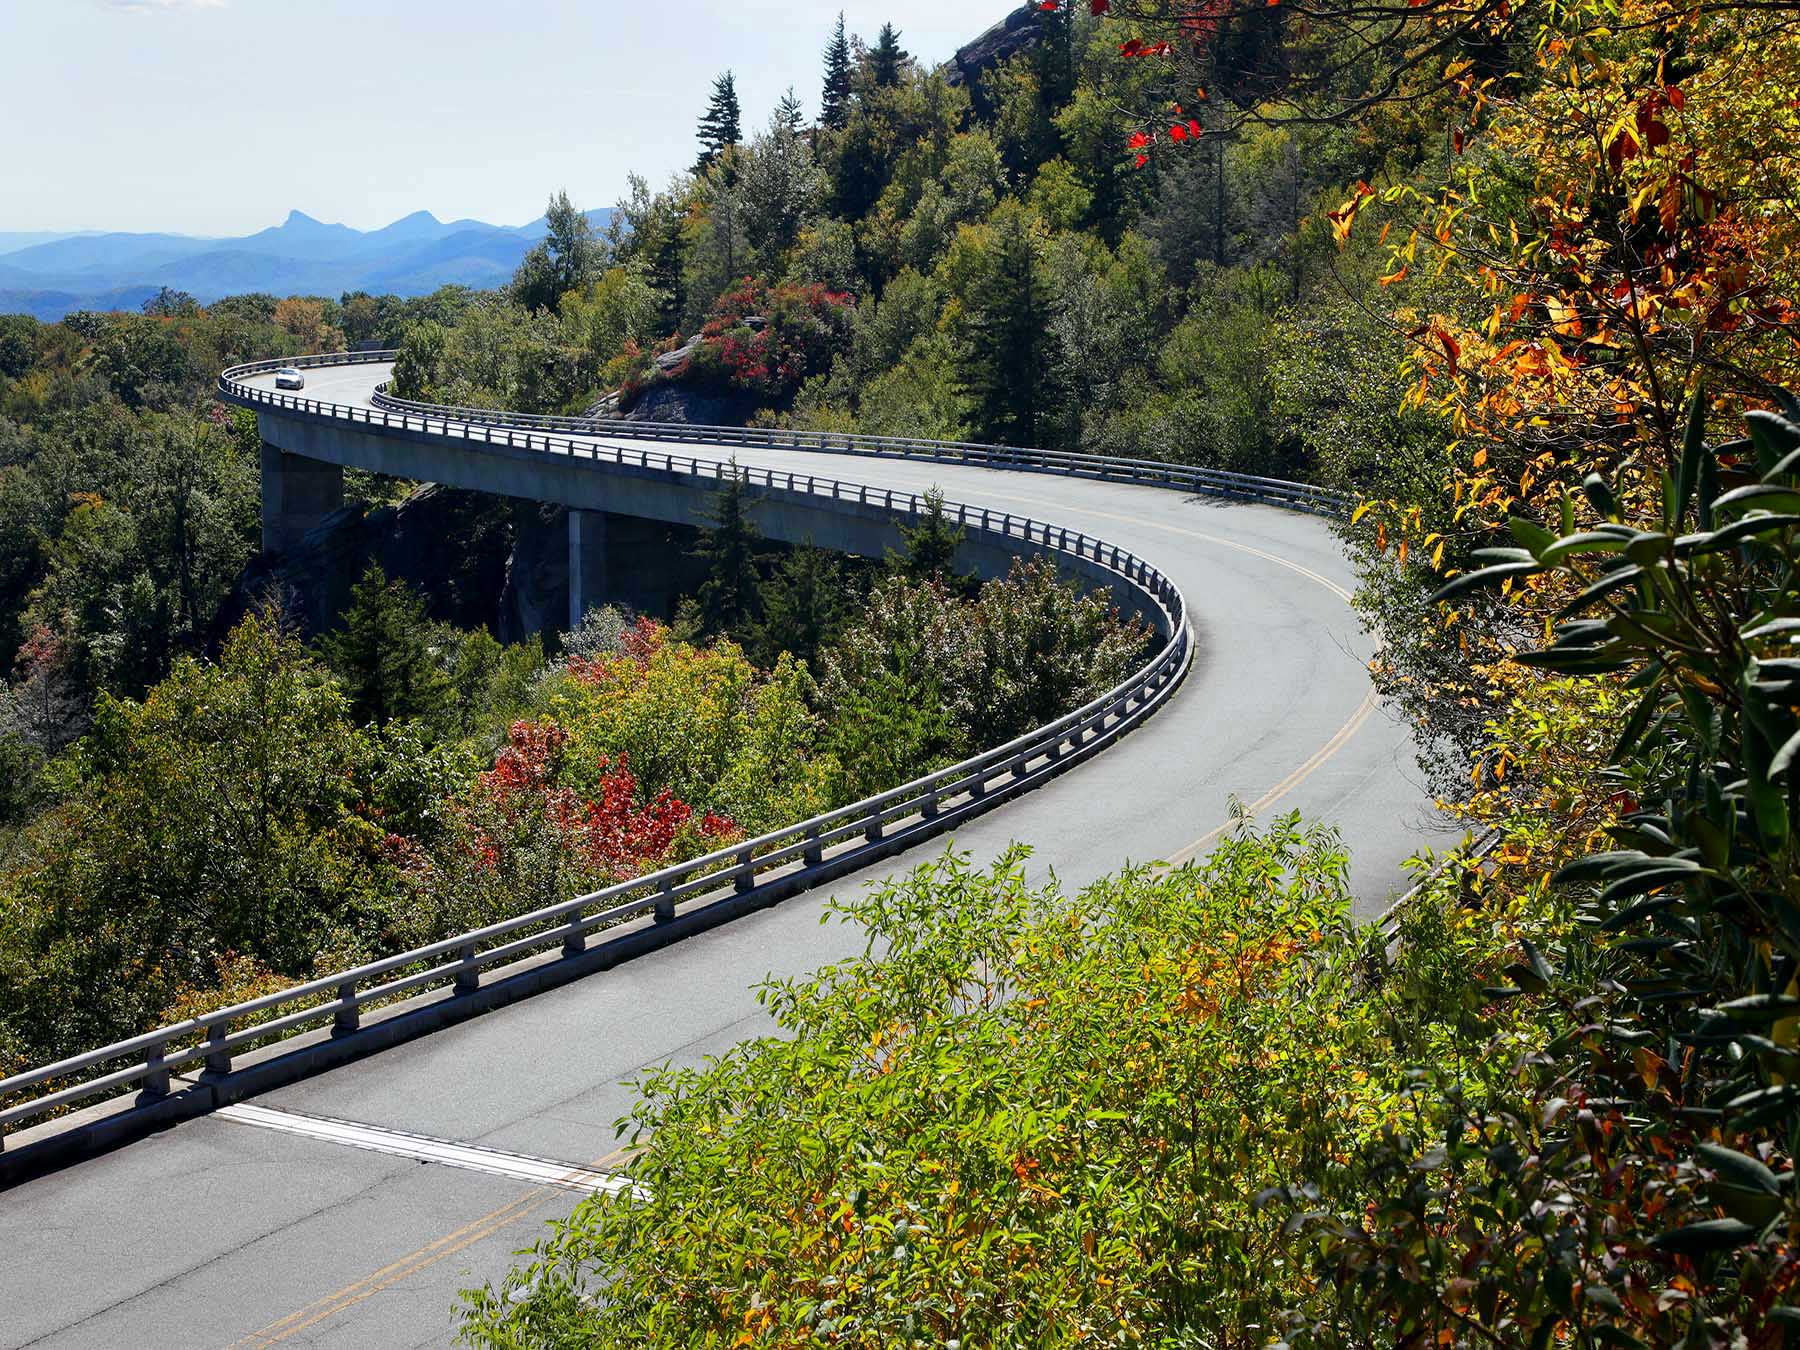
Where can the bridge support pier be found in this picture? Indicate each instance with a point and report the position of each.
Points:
(587, 563)
(297, 494)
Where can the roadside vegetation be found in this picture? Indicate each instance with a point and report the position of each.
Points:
(1521, 277)
(1539, 309)
(288, 809)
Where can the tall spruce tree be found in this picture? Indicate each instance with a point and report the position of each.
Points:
(834, 103)
(385, 657)
(789, 117)
(887, 58)
(729, 600)
(1054, 56)
(1005, 357)
(803, 605)
(721, 126)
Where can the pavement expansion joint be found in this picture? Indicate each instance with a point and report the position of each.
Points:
(424, 1148)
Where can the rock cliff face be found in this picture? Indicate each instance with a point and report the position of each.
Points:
(684, 403)
(1017, 32)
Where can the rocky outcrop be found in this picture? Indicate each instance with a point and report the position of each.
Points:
(682, 402)
(670, 361)
(1017, 32)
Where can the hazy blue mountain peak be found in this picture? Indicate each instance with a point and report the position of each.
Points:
(301, 256)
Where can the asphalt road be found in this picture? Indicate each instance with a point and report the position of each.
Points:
(225, 1232)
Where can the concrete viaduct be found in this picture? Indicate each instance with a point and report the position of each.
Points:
(339, 1188)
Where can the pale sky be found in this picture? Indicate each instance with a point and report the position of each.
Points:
(218, 116)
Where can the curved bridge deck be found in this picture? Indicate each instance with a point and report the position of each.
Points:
(250, 1229)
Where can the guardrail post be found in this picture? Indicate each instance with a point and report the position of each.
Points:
(930, 807)
(218, 1058)
(468, 979)
(348, 1016)
(1018, 764)
(746, 877)
(574, 936)
(873, 832)
(665, 902)
(815, 848)
(156, 1081)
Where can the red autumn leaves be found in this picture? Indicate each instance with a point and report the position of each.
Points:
(1648, 129)
(612, 832)
(609, 834)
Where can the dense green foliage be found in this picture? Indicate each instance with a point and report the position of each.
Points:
(1019, 1118)
(1198, 1109)
(281, 813)
(979, 260)
(129, 500)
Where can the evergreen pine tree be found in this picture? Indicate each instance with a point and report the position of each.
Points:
(384, 657)
(721, 125)
(729, 601)
(834, 104)
(803, 605)
(931, 547)
(1006, 353)
(886, 59)
(1054, 56)
(790, 117)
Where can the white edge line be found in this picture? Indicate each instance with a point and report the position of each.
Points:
(423, 1148)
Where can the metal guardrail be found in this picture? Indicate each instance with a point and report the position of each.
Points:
(835, 839)
(1184, 477)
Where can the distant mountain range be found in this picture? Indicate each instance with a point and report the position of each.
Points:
(50, 275)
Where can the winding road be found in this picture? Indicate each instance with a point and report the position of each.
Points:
(348, 1209)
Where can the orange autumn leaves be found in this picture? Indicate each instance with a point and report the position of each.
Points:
(1620, 223)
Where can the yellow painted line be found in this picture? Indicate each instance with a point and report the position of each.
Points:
(1320, 757)
(367, 1287)
(411, 1264)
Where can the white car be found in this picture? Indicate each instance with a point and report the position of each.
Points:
(289, 378)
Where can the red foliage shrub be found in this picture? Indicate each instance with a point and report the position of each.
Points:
(612, 835)
(801, 328)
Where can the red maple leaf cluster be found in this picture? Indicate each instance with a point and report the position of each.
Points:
(767, 339)
(609, 834)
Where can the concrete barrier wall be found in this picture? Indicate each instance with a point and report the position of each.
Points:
(866, 528)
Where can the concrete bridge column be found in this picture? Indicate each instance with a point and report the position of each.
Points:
(297, 494)
(587, 563)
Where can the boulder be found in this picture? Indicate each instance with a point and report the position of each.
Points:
(1017, 32)
(692, 406)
